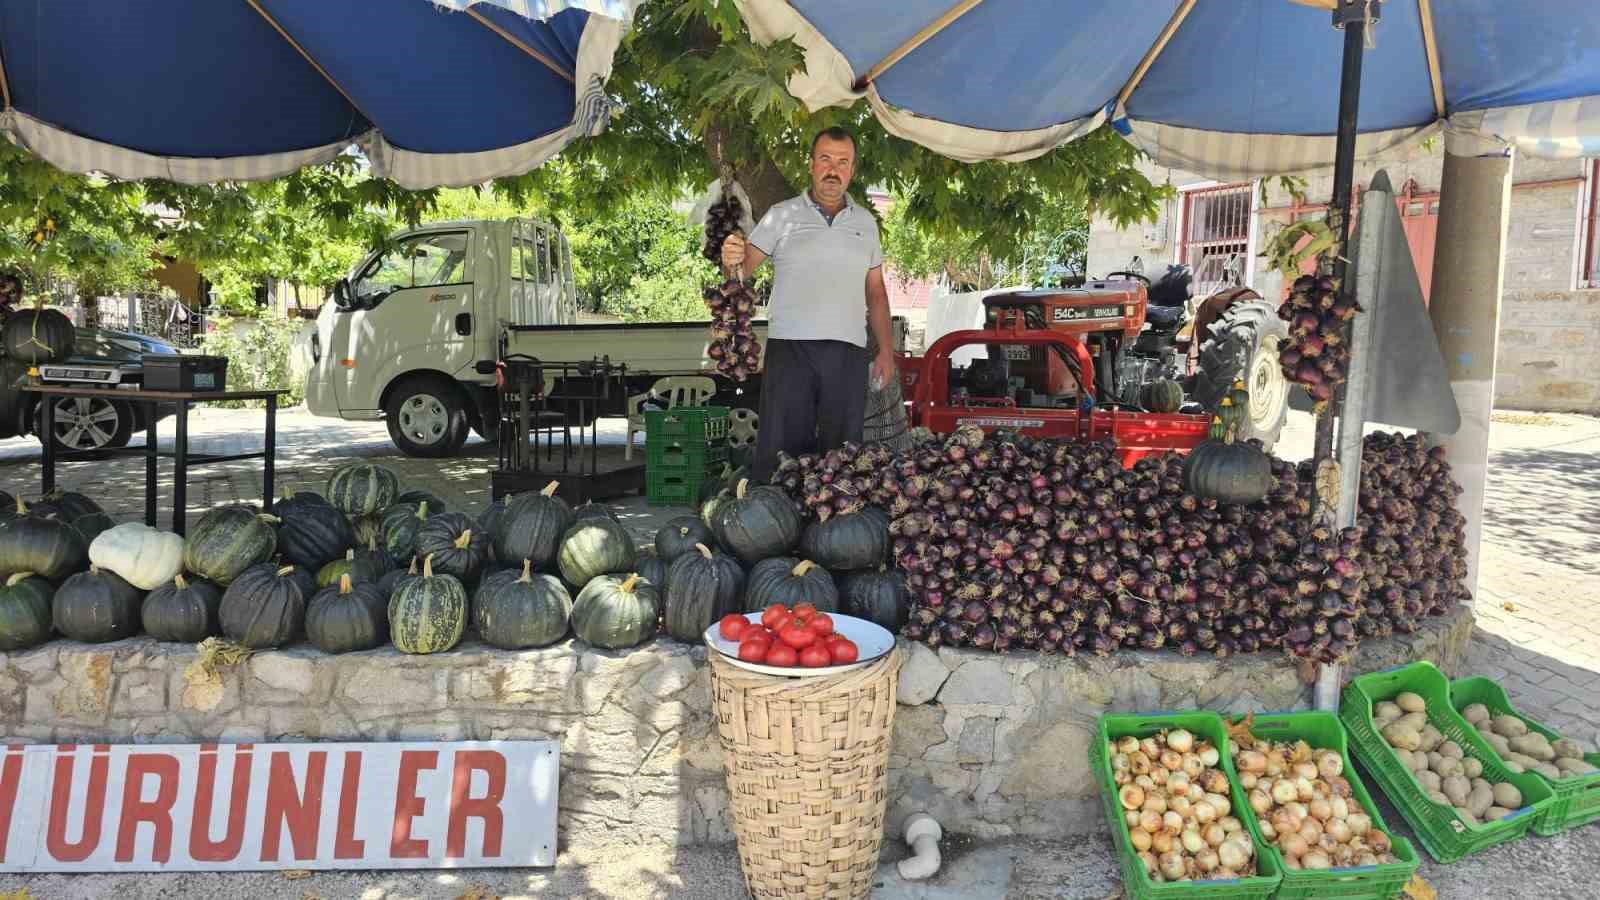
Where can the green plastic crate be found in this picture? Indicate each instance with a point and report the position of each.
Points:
(691, 424)
(672, 453)
(1441, 831)
(1323, 732)
(1136, 882)
(673, 487)
(1577, 799)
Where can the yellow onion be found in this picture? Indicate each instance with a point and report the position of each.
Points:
(1360, 824)
(1173, 866)
(1283, 791)
(1303, 789)
(1341, 808)
(1232, 855)
(1204, 812)
(1161, 842)
(1339, 830)
(1248, 780)
(1119, 762)
(1267, 831)
(1171, 760)
(1260, 801)
(1178, 783)
(1252, 761)
(1139, 763)
(1230, 824)
(1285, 821)
(1378, 841)
(1330, 764)
(1209, 755)
(1306, 770)
(1311, 830)
(1151, 867)
(1320, 809)
(1155, 802)
(1149, 747)
(1180, 804)
(1128, 745)
(1192, 841)
(1294, 845)
(1220, 801)
(1131, 796)
(1150, 821)
(1214, 834)
(1132, 818)
(1316, 859)
(1171, 822)
(1215, 782)
(1207, 860)
(1192, 766)
(1180, 740)
(1140, 839)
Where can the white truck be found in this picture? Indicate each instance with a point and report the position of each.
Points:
(412, 336)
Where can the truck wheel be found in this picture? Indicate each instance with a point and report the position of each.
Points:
(1243, 346)
(89, 424)
(426, 418)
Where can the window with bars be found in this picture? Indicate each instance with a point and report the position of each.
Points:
(1216, 235)
(1591, 230)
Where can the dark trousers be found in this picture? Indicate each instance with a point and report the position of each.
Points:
(813, 398)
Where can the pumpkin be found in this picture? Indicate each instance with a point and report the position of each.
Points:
(362, 567)
(879, 596)
(348, 616)
(366, 528)
(593, 510)
(615, 613)
(391, 580)
(265, 607)
(679, 536)
(652, 568)
(1226, 470)
(145, 557)
(25, 611)
(361, 488)
(711, 508)
(76, 510)
(758, 523)
(455, 544)
(401, 522)
(8, 505)
(702, 587)
(489, 523)
(183, 610)
(852, 540)
(43, 545)
(311, 532)
(515, 610)
(789, 581)
(227, 540)
(532, 526)
(1232, 411)
(595, 546)
(96, 606)
(1162, 396)
(304, 497)
(419, 497)
(38, 335)
(428, 613)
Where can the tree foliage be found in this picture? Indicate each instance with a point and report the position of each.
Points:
(1055, 245)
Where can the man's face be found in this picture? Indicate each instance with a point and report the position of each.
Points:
(832, 163)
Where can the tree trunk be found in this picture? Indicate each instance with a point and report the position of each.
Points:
(761, 178)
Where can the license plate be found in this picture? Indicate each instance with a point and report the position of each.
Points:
(1019, 352)
(1079, 313)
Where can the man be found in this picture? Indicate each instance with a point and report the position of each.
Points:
(828, 271)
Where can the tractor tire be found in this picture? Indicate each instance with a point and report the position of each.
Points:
(1243, 346)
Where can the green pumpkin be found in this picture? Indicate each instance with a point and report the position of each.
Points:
(652, 568)
(416, 498)
(516, 610)
(73, 508)
(428, 614)
(593, 547)
(366, 529)
(1233, 410)
(457, 546)
(679, 536)
(265, 606)
(879, 596)
(593, 510)
(1163, 396)
(42, 544)
(227, 540)
(846, 541)
(615, 613)
(401, 522)
(311, 533)
(391, 579)
(789, 581)
(361, 488)
(531, 527)
(96, 606)
(1227, 471)
(702, 587)
(758, 523)
(25, 611)
(489, 525)
(362, 567)
(348, 616)
(183, 610)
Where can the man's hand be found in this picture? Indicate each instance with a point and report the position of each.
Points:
(883, 370)
(733, 252)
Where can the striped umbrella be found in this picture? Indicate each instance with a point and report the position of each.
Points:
(434, 92)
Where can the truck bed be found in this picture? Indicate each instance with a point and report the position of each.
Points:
(654, 348)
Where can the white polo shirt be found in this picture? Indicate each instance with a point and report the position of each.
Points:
(819, 285)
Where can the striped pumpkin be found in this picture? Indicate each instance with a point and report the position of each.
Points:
(361, 488)
(615, 612)
(265, 607)
(531, 527)
(595, 546)
(401, 522)
(427, 614)
(227, 540)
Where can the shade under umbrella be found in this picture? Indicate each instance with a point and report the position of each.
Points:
(1187, 79)
(435, 92)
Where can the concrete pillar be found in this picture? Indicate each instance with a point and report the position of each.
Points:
(1468, 275)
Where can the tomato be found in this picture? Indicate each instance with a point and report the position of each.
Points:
(805, 610)
(732, 626)
(821, 624)
(797, 635)
(815, 657)
(776, 626)
(782, 655)
(843, 651)
(754, 651)
(771, 613)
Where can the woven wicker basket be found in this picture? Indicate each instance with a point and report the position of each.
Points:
(808, 764)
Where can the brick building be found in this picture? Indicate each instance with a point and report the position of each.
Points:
(1550, 312)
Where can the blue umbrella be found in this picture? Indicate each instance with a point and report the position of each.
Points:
(435, 92)
(1227, 88)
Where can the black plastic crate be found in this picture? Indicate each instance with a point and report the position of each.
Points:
(185, 372)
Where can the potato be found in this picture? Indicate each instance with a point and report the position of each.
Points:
(1439, 798)
(1414, 720)
(1479, 801)
(1431, 738)
(1522, 759)
(1534, 745)
(1411, 703)
(1471, 768)
(1434, 759)
(1430, 781)
(1456, 788)
(1510, 726)
(1547, 770)
(1514, 768)
(1496, 813)
(1452, 750)
(1399, 735)
(1475, 713)
(1567, 749)
(1573, 766)
(1448, 767)
(1419, 762)
(1498, 742)
(1480, 783)
(1507, 795)
(1467, 815)
(1386, 709)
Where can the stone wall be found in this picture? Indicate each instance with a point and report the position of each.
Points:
(990, 744)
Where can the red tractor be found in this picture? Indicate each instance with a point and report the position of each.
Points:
(1089, 363)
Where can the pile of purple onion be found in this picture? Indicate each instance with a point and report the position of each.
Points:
(1011, 542)
(1316, 355)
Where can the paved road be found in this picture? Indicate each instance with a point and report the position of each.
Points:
(1537, 633)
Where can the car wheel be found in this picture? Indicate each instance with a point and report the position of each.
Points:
(88, 424)
(427, 418)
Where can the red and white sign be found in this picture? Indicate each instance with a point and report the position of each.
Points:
(202, 807)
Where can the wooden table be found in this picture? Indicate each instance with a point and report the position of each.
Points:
(181, 458)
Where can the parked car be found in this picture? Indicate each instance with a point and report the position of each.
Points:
(101, 357)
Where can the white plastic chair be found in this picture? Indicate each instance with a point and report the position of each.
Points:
(674, 391)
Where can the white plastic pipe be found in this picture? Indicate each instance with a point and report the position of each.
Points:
(922, 834)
